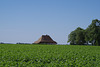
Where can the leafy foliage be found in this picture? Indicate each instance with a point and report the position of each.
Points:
(77, 37)
(49, 56)
(93, 33)
(90, 35)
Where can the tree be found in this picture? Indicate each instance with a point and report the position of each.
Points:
(72, 38)
(77, 37)
(89, 36)
(80, 37)
(93, 33)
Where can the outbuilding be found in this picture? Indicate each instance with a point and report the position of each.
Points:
(45, 39)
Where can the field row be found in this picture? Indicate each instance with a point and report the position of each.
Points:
(49, 56)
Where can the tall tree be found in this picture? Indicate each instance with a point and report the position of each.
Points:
(77, 37)
(80, 37)
(93, 33)
(72, 38)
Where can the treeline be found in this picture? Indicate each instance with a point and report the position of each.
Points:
(90, 35)
(14, 43)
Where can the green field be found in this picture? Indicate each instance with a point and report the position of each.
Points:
(16, 55)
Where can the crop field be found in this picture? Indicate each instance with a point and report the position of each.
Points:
(16, 55)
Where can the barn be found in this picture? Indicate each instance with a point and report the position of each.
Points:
(45, 39)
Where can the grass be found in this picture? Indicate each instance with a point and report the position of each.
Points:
(16, 55)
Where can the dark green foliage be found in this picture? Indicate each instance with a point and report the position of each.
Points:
(77, 37)
(72, 38)
(80, 37)
(93, 33)
(89, 36)
(15, 55)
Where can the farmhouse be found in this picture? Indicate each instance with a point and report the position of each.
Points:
(45, 39)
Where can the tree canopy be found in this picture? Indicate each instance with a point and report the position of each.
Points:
(76, 37)
(91, 35)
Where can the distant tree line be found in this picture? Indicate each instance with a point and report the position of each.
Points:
(90, 35)
(22, 43)
(13, 43)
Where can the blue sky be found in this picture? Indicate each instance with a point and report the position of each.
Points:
(26, 20)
